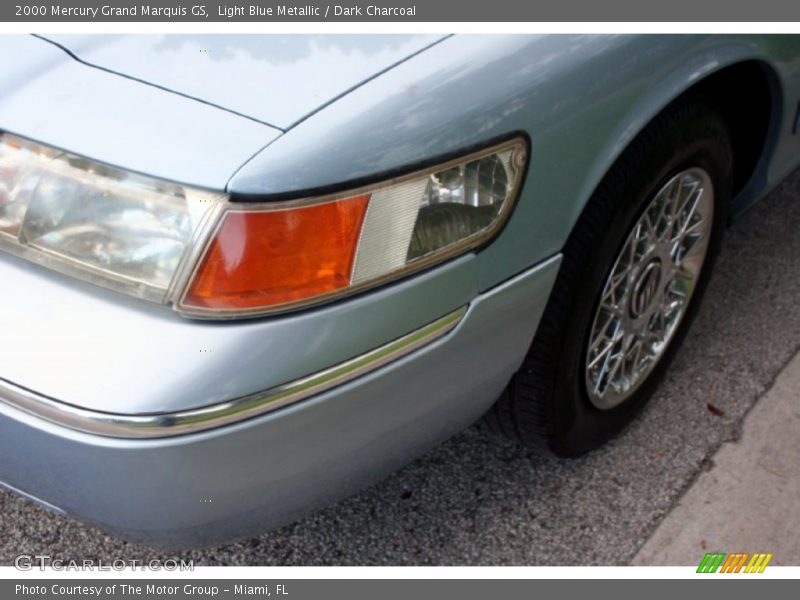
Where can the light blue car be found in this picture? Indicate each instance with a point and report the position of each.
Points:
(244, 276)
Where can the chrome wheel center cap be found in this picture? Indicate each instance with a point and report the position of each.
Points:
(646, 289)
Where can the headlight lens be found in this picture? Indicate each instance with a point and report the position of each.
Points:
(114, 228)
(460, 202)
(216, 258)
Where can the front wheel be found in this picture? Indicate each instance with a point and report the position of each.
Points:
(634, 269)
(649, 288)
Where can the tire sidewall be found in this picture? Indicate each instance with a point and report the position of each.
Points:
(700, 140)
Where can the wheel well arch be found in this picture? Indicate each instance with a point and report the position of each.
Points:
(748, 96)
(753, 117)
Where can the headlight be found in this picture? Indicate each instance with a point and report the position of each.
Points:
(216, 258)
(113, 228)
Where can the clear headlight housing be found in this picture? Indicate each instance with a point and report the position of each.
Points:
(211, 257)
(111, 227)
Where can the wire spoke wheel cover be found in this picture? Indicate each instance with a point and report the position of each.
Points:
(649, 287)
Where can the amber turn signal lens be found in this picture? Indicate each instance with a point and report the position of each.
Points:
(273, 257)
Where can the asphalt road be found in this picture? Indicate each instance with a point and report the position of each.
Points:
(478, 499)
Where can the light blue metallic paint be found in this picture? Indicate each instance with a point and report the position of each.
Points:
(277, 79)
(266, 471)
(580, 99)
(161, 425)
(97, 344)
(50, 98)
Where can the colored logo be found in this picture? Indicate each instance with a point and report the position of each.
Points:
(734, 563)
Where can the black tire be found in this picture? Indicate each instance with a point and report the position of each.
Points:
(546, 402)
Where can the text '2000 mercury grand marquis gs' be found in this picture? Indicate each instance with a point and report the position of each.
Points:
(242, 277)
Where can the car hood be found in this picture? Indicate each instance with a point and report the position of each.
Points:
(48, 97)
(277, 80)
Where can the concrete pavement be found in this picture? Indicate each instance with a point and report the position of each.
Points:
(749, 499)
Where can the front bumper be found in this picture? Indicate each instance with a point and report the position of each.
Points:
(236, 480)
